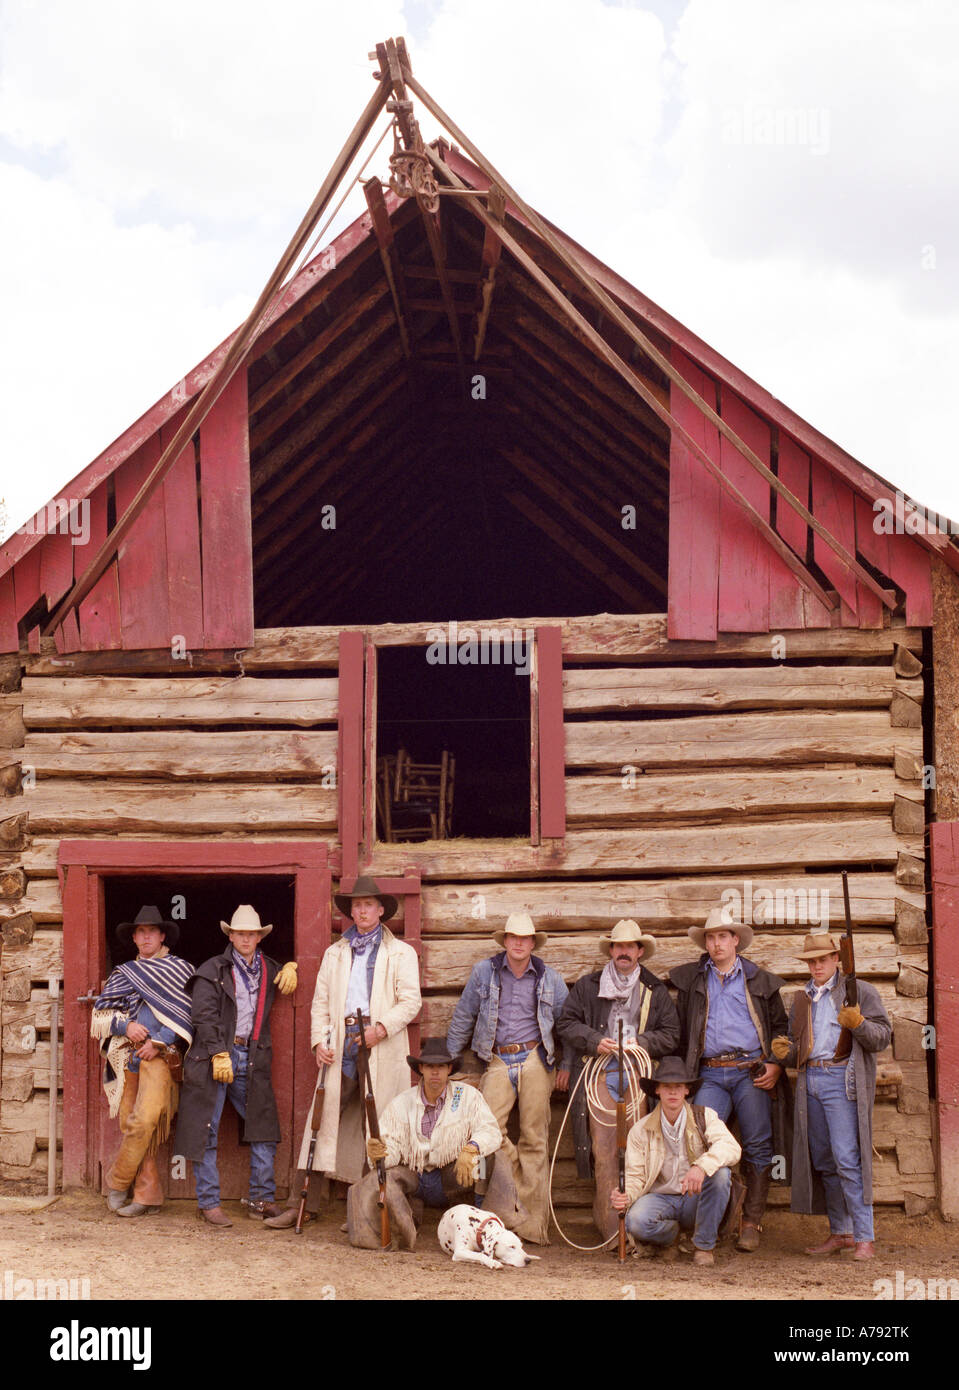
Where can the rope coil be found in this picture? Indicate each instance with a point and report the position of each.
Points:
(638, 1064)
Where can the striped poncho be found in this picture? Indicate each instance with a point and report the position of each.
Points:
(159, 982)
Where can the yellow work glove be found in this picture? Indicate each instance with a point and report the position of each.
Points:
(850, 1017)
(780, 1048)
(375, 1149)
(465, 1170)
(222, 1068)
(285, 978)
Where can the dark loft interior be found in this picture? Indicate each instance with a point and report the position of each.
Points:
(205, 900)
(480, 715)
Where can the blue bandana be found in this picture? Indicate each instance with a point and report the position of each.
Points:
(361, 942)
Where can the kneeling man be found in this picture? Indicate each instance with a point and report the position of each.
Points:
(677, 1166)
(432, 1137)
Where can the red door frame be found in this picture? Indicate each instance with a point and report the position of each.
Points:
(944, 848)
(82, 867)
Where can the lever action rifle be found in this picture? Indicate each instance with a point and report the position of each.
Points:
(373, 1127)
(621, 1145)
(847, 964)
(315, 1121)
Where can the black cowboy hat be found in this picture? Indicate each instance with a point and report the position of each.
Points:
(671, 1070)
(149, 917)
(434, 1052)
(365, 887)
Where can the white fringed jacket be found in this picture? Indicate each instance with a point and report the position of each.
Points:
(465, 1118)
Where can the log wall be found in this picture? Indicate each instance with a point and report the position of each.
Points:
(691, 769)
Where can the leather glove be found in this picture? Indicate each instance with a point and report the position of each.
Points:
(375, 1149)
(850, 1017)
(222, 1068)
(780, 1048)
(285, 978)
(465, 1170)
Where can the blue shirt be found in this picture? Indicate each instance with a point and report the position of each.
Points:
(825, 1024)
(517, 1007)
(729, 1027)
(158, 1032)
(360, 985)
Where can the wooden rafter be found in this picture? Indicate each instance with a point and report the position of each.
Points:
(392, 269)
(571, 548)
(492, 251)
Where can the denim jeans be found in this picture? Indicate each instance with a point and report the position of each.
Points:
(725, 1089)
(834, 1149)
(262, 1186)
(351, 1046)
(656, 1219)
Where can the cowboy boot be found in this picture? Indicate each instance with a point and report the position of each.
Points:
(754, 1205)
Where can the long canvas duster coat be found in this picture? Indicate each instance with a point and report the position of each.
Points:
(872, 1035)
(394, 1001)
(214, 1024)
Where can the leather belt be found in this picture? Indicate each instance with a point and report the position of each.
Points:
(351, 1020)
(510, 1048)
(730, 1062)
(241, 1042)
(828, 1062)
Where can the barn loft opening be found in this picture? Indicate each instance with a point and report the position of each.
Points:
(478, 716)
(414, 457)
(198, 903)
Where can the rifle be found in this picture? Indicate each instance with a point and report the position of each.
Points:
(315, 1121)
(373, 1127)
(847, 964)
(621, 1145)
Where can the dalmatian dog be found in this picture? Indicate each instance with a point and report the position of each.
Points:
(477, 1237)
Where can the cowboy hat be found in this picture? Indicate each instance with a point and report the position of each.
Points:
(670, 1070)
(727, 918)
(365, 887)
(628, 930)
(521, 924)
(149, 917)
(434, 1052)
(245, 918)
(815, 946)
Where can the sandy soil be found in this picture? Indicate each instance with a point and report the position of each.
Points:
(76, 1238)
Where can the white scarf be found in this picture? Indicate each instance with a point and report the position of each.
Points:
(625, 991)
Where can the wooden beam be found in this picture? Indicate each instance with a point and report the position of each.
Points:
(623, 321)
(236, 354)
(573, 549)
(632, 379)
(492, 251)
(392, 269)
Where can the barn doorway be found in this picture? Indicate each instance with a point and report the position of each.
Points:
(478, 715)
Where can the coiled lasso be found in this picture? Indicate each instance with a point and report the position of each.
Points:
(638, 1063)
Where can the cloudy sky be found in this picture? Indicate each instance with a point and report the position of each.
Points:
(778, 174)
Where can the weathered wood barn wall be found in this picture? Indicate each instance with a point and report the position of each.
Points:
(726, 730)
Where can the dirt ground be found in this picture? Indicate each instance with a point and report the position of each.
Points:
(76, 1238)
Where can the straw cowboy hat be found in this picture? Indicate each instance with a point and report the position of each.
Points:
(365, 887)
(149, 917)
(434, 1052)
(628, 930)
(245, 918)
(728, 918)
(670, 1069)
(815, 946)
(521, 924)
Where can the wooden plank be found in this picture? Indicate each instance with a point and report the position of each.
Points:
(833, 504)
(181, 755)
(182, 528)
(9, 634)
(85, 702)
(142, 557)
(227, 535)
(743, 553)
(661, 906)
(612, 799)
(909, 566)
(734, 687)
(694, 501)
(552, 785)
(78, 807)
(350, 748)
(26, 582)
(99, 613)
(785, 591)
(56, 564)
(786, 845)
(747, 739)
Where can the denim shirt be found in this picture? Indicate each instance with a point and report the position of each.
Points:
(477, 1012)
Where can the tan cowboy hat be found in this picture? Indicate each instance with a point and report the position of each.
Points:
(245, 918)
(521, 924)
(815, 946)
(727, 918)
(628, 930)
